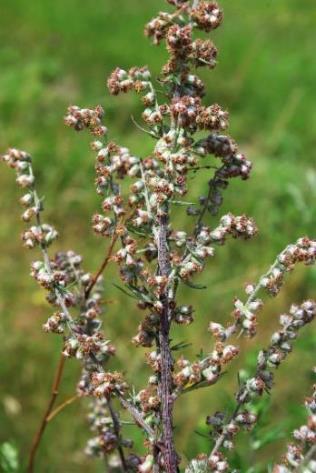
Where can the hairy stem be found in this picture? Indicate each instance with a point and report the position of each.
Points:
(165, 382)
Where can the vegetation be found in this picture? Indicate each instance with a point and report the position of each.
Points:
(55, 54)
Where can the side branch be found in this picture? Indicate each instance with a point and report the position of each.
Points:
(45, 419)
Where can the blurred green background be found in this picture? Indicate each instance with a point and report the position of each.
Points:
(53, 54)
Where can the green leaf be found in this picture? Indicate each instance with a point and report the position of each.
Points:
(127, 293)
(8, 458)
(183, 203)
(180, 346)
(268, 437)
(193, 285)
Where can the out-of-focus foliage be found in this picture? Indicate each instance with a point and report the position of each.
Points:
(8, 458)
(56, 53)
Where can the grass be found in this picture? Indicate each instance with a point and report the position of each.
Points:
(56, 53)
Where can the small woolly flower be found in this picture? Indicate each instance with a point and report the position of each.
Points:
(185, 110)
(207, 15)
(157, 28)
(81, 118)
(212, 118)
(179, 40)
(204, 53)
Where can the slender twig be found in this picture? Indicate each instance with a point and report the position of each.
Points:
(116, 428)
(103, 265)
(39, 434)
(136, 416)
(61, 407)
(221, 439)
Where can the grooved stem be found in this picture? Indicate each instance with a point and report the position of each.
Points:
(165, 382)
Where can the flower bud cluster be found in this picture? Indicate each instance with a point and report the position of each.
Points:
(81, 118)
(202, 463)
(157, 28)
(102, 425)
(235, 164)
(148, 399)
(137, 78)
(82, 335)
(213, 118)
(207, 15)
(179, 41)
(39, 234)
(107, 384)
(204, 53)
(207, 370)
(113, 160)
(303, 251)
(88, 346)
(298, 455)
(238, 227)
(245, 314)
(281, 344)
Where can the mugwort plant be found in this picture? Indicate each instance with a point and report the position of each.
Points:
(155, 258)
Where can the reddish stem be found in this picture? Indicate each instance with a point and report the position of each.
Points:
(39, 434)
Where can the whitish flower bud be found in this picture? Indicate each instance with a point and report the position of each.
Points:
(27, 200)
(25, 180)
(146, 465)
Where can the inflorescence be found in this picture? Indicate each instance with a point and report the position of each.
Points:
(155, 257)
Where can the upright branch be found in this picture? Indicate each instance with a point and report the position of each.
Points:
(65, 282)
(159, 181)
(166, 362)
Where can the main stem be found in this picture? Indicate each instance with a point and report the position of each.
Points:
(165, 383)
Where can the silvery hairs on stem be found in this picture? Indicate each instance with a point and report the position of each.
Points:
(155, 257)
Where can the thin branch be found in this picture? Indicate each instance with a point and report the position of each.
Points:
(221, 439)
(137, 416)
(103, 265)
(61, 407)
(116, 427)
(38, 436)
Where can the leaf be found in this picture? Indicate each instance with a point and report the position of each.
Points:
(180, 346)
(268, 437)
(193, 285)
(127, 293)
(133, 230)
(183, 203)
(8, 458)
(141, 295)
(201, 434)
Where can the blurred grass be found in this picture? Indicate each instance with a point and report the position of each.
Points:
(56, 53)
